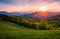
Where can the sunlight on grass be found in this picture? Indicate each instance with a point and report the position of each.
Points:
(10, 30)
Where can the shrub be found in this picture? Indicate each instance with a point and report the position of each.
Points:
(44, 25)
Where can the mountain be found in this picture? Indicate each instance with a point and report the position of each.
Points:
(56, 17)
(3, 12)
(11, 13)
(50, 14)
(33, 15)
(36, 15)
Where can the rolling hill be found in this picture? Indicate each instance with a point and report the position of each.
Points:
(11, 30)
(11, 13)
(35, 15)
(29, 14)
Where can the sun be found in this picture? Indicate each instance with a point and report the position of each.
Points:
(43, 9)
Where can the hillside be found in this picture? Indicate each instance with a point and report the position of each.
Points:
(10, 26)
(31, 23)
(9, 30)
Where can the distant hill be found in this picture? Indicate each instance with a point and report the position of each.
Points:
(56, 17)
(11, 13)
(33, 15)
(30, 14)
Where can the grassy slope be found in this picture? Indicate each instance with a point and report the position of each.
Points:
(10, 30)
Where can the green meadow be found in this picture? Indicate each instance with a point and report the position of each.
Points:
(9, 30)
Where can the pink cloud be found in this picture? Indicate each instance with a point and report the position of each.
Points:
(30, 5)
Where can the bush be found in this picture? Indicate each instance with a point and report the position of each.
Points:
(44, 25)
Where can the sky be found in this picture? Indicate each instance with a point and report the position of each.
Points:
(29, 5)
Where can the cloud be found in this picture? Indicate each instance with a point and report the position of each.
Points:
(28, 5)
(24, 2)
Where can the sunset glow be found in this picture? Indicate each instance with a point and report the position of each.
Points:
(43, 9)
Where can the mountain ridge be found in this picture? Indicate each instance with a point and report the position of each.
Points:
(30, 14)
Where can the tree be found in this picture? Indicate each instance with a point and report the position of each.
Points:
(44, 25)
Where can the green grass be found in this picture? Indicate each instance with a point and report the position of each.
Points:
(9, 30)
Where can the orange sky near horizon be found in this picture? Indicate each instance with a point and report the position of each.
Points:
(26, 9)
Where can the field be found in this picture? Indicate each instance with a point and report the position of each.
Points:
(9, 30)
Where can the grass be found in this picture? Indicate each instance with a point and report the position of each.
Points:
(9, 30)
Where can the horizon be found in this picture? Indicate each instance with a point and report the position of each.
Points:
(28, 11)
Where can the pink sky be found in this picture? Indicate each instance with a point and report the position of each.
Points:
(29, 5)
